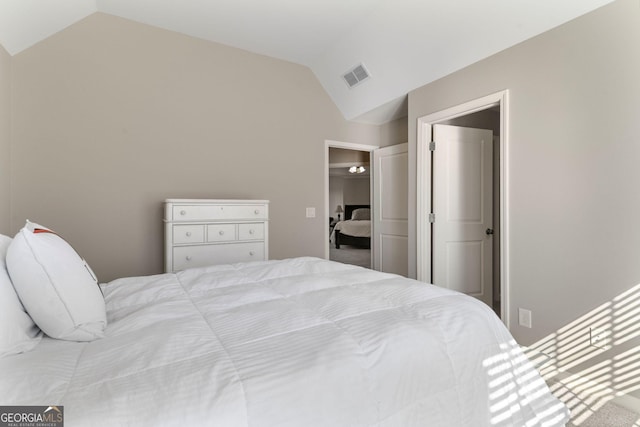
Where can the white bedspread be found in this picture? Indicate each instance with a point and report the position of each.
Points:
(361, 228)
(300, 342)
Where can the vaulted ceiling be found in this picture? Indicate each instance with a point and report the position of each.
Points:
(404, 44)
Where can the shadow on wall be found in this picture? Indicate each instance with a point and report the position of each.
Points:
(570, 359)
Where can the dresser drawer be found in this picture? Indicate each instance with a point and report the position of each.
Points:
(251, 231)
(218, 212)
(221, 232)
(188, 233)
(201, 256)
(203, 232)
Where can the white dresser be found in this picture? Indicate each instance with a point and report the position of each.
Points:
(201, 232)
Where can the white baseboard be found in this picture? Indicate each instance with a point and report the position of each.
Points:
(624, 400)
(628, 402)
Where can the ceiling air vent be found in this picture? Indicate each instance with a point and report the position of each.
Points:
(356, 75)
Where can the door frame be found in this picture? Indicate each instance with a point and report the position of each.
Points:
(423, 188)
(347, 146)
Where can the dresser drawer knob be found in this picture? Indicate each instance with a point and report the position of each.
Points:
(251, 253)
(251, 231)
(183, 212)
(188, 233)
(188, 257)
(221, 232)
(257, 211)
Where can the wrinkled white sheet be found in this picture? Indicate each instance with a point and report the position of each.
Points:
(299, 342)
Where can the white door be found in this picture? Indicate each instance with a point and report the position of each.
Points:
(463, 211)
(389, 239)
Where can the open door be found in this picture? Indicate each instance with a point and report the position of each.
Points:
(390, 209)
(462, 218)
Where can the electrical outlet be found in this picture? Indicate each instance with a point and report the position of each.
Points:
(599, 338)
(524, 317)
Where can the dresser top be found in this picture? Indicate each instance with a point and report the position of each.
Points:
(215, 201)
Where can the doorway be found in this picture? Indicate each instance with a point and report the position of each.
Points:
(344, 192)
(489, 112)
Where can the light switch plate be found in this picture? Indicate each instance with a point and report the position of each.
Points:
(311, 212)
(524, 317)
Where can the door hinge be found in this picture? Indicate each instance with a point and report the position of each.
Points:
(432, 146)
(432, 218)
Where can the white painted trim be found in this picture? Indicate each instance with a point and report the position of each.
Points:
(629, 402)
(621, 399)
(423, 200)
(423, 188)
(348, 146)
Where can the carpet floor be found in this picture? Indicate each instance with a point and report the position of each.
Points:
(588, 412)
(351, 255)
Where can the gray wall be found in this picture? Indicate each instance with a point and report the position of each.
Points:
(5, 140)
(573, 172)
(110, 117)
(346, 190)
(357, 191)
(394, 132)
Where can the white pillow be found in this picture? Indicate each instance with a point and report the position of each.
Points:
(18, 333)
(362, 214)
(56, 286)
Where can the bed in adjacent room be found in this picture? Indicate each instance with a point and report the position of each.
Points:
(295, 342)
(355, 230)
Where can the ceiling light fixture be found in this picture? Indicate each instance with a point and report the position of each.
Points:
(356, 169)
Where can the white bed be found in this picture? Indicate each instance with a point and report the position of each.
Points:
(355, 231)
(298, 342)
(354, 228)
